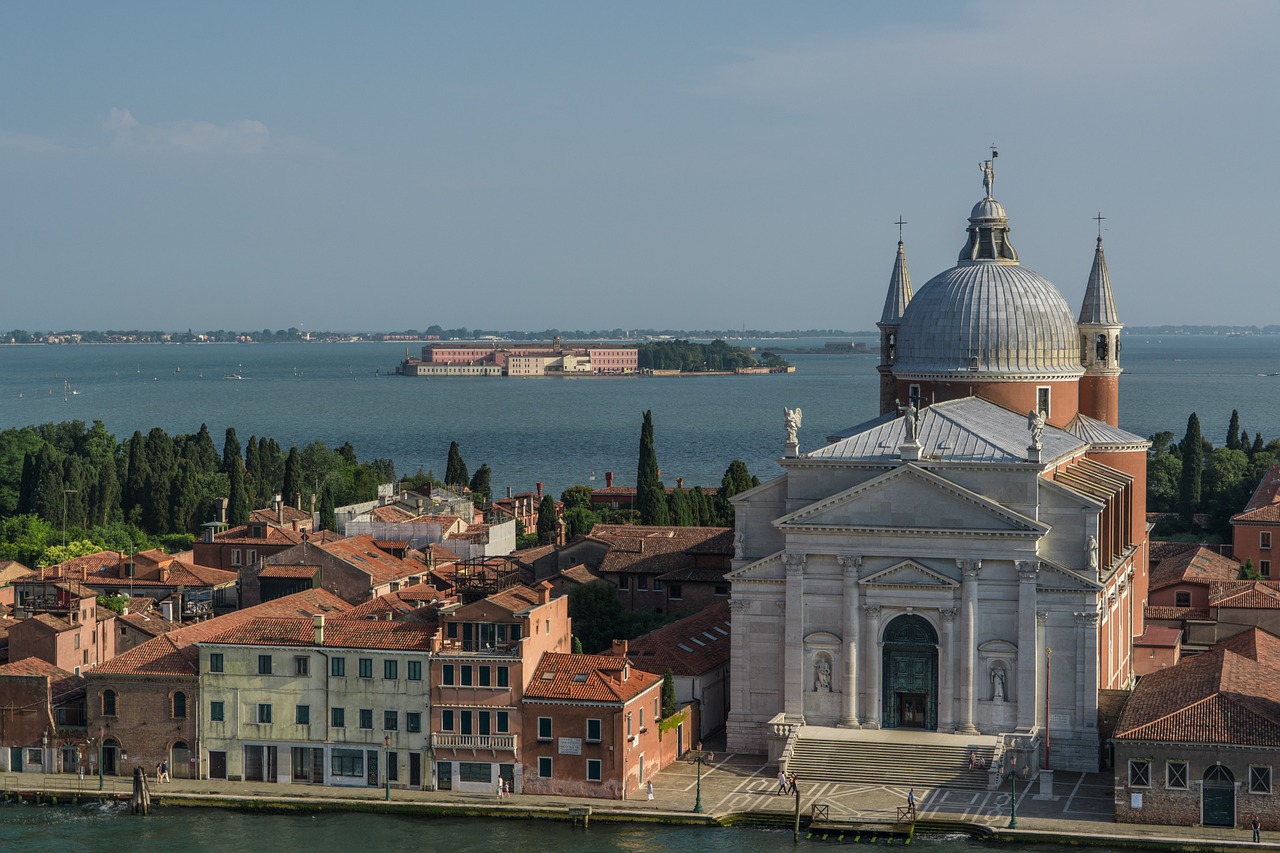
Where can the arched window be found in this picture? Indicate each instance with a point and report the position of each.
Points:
(179, 705)
(108, 703)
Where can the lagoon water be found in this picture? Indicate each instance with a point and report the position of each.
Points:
(561, 431)
(93, 829)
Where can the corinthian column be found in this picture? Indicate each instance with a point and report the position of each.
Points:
(871, 667)
(968, 640)
(1027, 696)
(851, 565)
(947, 664)
(793, 639)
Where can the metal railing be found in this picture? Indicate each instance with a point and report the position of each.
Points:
(69, 783)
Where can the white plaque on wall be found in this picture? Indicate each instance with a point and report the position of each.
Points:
(570, 746)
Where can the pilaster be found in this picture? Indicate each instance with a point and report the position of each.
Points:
(851, 566)
(968, 641)
(793, 638)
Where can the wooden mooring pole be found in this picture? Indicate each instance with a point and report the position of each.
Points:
(140, 803)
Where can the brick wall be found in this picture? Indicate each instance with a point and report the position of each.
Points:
(144, 724)
(1177, 807)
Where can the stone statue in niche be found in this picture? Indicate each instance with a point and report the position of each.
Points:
(739, 544)
(1091, 552)
(998, 692)
(822, 674)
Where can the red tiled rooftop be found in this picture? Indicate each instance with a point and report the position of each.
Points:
(690, 646)
(281, 571)
(1264, 504)
(362, 553)
(1160, 637)
(345, 633)
(1199, 565)
(1257, 595)
(597, 678)
(1179, 613)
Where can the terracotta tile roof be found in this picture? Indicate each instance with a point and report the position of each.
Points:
(390, 513)
(12, 570)
(60, 681)
(279, 571)
(653, 531)
(645, 556)
(720, 543)
(695, 574)
(527, 556)
(272, 535)
(1259, 595)
(343, 633)
(1255, 644)
(290, 514)
(362, 553)
(438, 555)
(52, 622)
(1264, 505)
(420, 592)
(1198, 565)
(174, 653)
(595, 678)
(1160, 637)
(90, 563)
(1219, 697)
(1171, 613)
(1162, 550)
(580, 573)
(515, 599)
(149, 623)
(690, 646)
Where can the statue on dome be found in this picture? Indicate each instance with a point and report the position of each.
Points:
(1035, 423)
(792, 418)
(988, 176)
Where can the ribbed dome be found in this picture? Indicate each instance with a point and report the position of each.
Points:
(988, 317)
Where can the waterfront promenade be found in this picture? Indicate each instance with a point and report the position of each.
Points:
(734, 789)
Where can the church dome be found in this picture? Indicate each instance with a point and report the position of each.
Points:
(988, 317)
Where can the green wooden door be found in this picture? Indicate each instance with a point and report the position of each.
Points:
(1219, 797)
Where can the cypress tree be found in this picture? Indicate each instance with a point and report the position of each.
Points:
(547, 520)
(481, 488)
(328, 519)
(736, 479)
(230, 450)
(455, 470)
(1189, 493)
(135, 482)
(162, 469)
(668, 693)
(1244, 441)
(1233, 431)
(253, 472)
(50, 499)
(203, 451)
(27, 486)
(680, 508)
(1258, 446)
(651, 497)
(238, 500)
(292, 476)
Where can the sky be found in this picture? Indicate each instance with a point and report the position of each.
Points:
(586, 165)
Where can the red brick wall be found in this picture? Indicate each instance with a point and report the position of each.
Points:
(1161, 805)
(144, 724)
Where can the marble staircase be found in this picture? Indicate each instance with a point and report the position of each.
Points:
(890, 757)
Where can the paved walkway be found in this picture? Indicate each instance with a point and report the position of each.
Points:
(1080, 805)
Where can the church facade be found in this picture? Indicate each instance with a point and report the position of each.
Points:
(974, 560)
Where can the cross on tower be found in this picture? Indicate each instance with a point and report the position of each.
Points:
(1099, 217)
(900, 223)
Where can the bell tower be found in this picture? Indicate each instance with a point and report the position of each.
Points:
(1100, 343)
(895, 302)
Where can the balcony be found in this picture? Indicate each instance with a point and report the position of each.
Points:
(458, 647)
(490, 743)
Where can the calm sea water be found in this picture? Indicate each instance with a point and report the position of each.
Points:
(92, 829)
(560, 431)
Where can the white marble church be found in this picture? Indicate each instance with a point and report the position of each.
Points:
(974, 560)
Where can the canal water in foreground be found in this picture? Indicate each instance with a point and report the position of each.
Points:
(111, 829)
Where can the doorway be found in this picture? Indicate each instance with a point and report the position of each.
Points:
(110, 756)
(913, 710)
(444, 775)
(217, 764)
(1218, 795)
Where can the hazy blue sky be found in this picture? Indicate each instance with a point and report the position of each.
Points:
(582, 165)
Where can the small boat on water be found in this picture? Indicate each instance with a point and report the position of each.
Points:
(232, 376)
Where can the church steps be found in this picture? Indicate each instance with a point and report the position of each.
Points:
(926, 765)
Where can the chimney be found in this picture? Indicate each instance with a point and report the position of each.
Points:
(679, 482)
(208, 534)
(508, 493)
(164, 572)
(313, 504)
(619, 649)
(608, 479)
(166, 609)
(297, 500)
(222, 510)
(318, 622)
(279, 505)
(539, 490)
(544, 592)
(429, 488)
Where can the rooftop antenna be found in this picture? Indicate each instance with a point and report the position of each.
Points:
(1099, 217)
(900, 223)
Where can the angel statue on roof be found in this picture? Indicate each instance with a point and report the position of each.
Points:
(792, 418)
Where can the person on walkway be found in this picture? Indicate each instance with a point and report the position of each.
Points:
(159, 774)
(506, 789)
(499, 790)
(793, 788)
(649, 790)
(164, 771)
(911, 801)
(1257, 829)
(782, 782)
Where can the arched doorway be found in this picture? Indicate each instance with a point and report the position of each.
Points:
(111, 756)
(910, 679)
(1218, 797)
(179, 761)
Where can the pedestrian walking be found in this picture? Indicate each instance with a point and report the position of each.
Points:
(506, 789)
(649, 790)
(793, 788)
(164, 771)
(1257, 829)
(782, 782)
(159, 775)
(911, 801)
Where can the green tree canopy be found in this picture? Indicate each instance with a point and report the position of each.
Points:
(455, 470)
(651, 497)
(547, 520)
(1190, 488)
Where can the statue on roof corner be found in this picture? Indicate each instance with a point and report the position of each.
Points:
(1035, 423)
(911, 421)
(988, 176)
(793, 419)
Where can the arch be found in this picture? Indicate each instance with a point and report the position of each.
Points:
(179, 705)
(910, 673)
(180, 760)
(109, 703)
(1218, 796)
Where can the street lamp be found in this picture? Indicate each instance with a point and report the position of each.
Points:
(102, 733)
(1013, 803)
(44, 751)
(386, 742)
(699, 757)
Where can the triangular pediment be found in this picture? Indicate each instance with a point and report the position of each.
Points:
(1054, 576)
(909, 573)
(909, 499)
(767, 570)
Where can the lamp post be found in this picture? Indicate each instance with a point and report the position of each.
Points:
(1013, 803)
(1048, 658)
(386, 742)
(44, 752)
(101, 734)
(699, 757)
